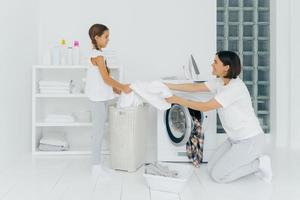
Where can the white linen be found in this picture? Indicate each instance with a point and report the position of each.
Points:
(55, 139)
(154, 93)
(129, 100)
(59, 118)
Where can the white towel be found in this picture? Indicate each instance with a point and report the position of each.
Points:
(129, 100)
(155, 94)
(46, 147)
(55, 139)
(157, 87)
(55, 91)
(59, 118)
(55, 83)
(55, 87)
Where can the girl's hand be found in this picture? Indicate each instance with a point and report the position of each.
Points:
(126, 89)
(172, 99)
(117, 91)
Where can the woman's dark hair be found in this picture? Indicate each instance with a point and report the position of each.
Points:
(232, 59)
(96, 29)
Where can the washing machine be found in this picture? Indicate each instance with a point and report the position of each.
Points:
(174, 127)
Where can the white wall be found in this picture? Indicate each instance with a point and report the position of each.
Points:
(280, 54)
(285, 80)
(294, 74)
(18, 51)
(152, 38)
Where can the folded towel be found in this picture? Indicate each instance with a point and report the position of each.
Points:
(45, 147)
(129, 100)
(55, 87)
(59, 120)
(55, 83)
(155, 96)
(52, 118)
(55, 91)
(65, 116)
(55, 139)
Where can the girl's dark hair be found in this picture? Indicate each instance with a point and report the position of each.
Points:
(232, 59)
(96, 29)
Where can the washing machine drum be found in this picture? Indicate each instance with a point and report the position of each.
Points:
(179, 123)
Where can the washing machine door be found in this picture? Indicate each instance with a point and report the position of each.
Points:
(179, 124)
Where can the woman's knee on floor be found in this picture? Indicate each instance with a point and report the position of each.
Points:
(218, 174)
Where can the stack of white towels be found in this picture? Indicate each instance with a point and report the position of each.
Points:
(59, 118)
(53, 142)
(55, 87)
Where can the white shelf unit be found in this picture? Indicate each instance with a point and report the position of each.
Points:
(78, 132)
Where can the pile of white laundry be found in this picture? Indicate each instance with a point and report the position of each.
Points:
(59, 118)
(55, 87)
(53, 141)
(153, 92)
(160, 170)
(129, 100)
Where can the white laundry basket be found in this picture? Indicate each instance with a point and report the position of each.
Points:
(127, 129)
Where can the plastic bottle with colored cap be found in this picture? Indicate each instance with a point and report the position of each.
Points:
(76, 53)
(63, 52)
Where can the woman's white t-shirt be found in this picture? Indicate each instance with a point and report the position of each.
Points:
(236, 114)
(96, 89)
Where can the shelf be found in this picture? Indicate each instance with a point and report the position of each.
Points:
(38, 95)
(78, 132)
(75, 124)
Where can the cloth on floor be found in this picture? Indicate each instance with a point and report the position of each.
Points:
(160, 170)
(59, 118)
(129, 100)
(194, 146)
(154, 93)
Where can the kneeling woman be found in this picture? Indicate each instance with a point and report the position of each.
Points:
(242, 153)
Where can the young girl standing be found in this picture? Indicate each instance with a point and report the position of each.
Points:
(99, 89)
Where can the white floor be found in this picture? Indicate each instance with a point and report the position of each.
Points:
(68, 178)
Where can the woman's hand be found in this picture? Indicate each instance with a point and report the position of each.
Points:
(172, 99)
(126, 89)
(168, 85)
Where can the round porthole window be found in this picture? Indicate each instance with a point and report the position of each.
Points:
(179, 124)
